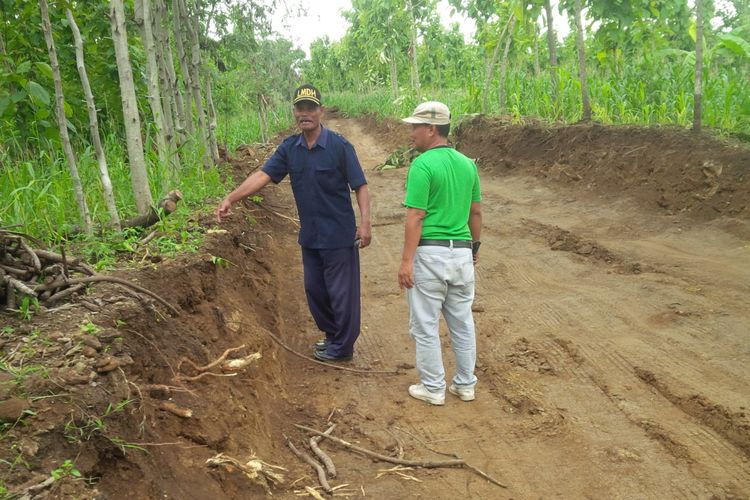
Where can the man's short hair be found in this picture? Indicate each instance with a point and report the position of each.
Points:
(443, 130)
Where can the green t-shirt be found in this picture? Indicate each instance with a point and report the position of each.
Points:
(444, 183)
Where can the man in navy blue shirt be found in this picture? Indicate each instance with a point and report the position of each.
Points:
(323, 169)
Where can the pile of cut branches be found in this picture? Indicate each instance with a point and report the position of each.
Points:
(49, 277)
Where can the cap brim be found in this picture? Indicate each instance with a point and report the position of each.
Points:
(422, 121)
(310, 99)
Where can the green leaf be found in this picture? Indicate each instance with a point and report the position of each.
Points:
(24, 67)
(37, 93)
(44, 69)
(4, 103)
(18, 96)
(738, 45)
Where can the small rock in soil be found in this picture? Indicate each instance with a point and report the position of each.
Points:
(28, 447)
(12, 409)
(92, 342)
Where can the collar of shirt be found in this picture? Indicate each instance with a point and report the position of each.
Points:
(321, 141)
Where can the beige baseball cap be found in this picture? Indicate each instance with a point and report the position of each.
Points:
(431, 113)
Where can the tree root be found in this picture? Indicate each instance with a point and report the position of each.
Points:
(458, 462)
(330, 466)
(312, 463)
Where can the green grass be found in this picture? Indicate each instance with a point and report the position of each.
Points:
(635, 96)
(36, 191)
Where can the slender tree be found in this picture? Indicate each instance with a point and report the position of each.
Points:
(195, 82)
(143, 20)
(504, 63)
(213, 143)
(552, 50)
(138, 173)
(413, 48)
(179, 42)
(698, 87)
(582, 63)
(490, 66)
(101, 160)
(62, 121)
(166, 63)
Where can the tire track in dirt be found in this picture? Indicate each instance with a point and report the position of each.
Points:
(560, 410)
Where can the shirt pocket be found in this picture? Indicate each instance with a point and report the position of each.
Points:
(330, 179)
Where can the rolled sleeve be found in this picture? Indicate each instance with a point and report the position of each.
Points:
(277, 166)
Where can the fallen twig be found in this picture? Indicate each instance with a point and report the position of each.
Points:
(219, 360)
(311, 462)
(276, 339)
(254, 469)
(176, 410)
(459, 462)
(330, 467)
(122, 282)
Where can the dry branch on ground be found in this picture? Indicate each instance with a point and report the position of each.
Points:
(47, 276)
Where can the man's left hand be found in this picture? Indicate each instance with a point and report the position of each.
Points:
(406, 274)
(364, 234)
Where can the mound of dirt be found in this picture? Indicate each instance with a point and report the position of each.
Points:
(116, 386)
(669, 169)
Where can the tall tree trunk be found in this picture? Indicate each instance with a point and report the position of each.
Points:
(535, 33)
(211, 120)
(698, 87)
(394, 73)
(582, 64)
(552, 49)
(162, 31)
(490, 68)
(195, 82)
(414, 62)
(179, 42)
(109, 196)
(143, 20)
(263, 117)
(165, 87)
(138, 173)
(504, 64)
(62, 122)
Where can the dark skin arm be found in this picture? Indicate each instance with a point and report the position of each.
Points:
(475, 224)
(254, 183)
(412, 234)
(364, 231)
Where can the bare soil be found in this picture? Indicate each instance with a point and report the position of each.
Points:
(614, 358)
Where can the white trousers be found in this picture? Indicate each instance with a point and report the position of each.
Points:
(443, 282)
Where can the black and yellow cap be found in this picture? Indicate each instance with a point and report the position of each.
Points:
(307, 92)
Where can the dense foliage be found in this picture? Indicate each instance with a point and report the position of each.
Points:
(640, 57)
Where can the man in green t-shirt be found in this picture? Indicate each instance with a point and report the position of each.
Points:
(441, 246)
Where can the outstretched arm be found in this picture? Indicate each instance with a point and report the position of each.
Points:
(254, 183)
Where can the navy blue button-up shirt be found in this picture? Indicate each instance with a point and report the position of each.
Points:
(322, 180)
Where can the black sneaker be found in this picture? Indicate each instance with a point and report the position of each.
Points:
(321, 345)
(324, 356)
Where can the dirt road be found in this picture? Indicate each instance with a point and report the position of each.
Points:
(613, 360)
(613, 351)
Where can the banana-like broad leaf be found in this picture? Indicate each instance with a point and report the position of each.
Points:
(38, 95)
(738, 45)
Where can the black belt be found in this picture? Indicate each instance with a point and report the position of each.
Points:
(445, 243)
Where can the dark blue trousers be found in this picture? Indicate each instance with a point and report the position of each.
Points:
(332, 289)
